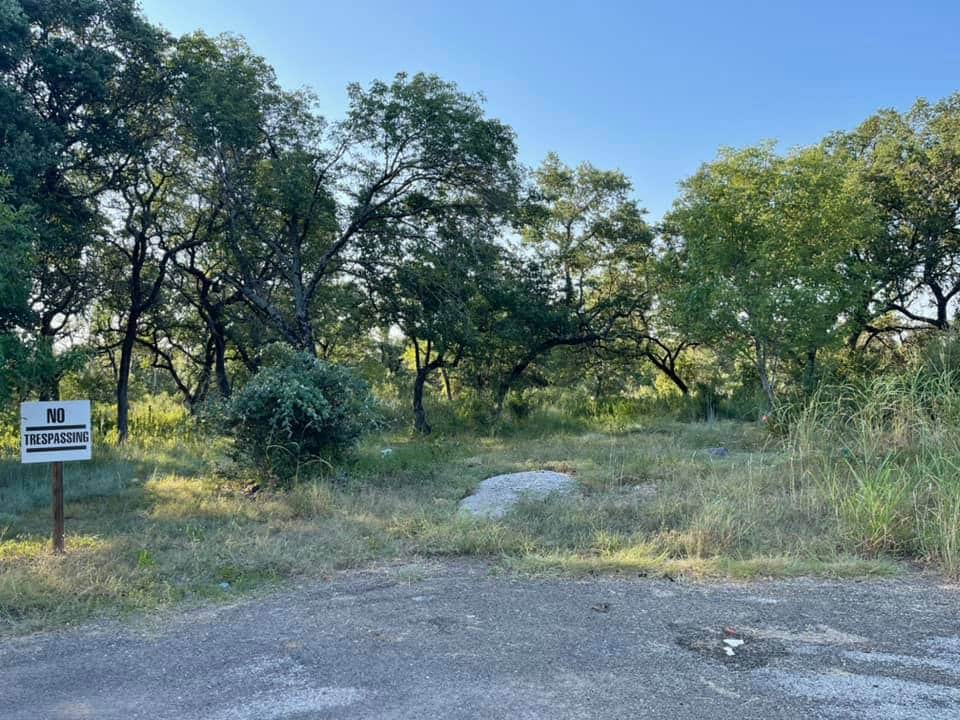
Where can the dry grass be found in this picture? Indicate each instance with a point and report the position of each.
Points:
(169, 522)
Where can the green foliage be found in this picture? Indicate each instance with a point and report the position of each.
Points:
(297, 412)
(18, 372)
(762, 256)
(152, 416)
(15, 247)
(70, 76)
(579, 280)
(167, 209)
(908, 165)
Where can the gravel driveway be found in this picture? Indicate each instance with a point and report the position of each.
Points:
(457, 640)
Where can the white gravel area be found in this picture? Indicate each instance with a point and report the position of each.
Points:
(495, 496)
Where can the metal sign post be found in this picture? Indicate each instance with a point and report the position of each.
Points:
(56, 432)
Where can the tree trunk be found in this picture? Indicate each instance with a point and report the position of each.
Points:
(942, 301)
(810, 371)
(304, 325)
(761, 363)
(446, 384)
(676, 380)
(669, 369)
(50, 385)
(212, 314)
(502, 389)
(203, 387)
(306, 343)
(220, 362)
(506, 383)
(123, 379)
(420, 423)
(943, 308)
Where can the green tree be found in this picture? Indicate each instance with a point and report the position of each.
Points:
(15, 246)
(439, 287)
(585, 280)
(910, 165)
(762, 256)
(306, 195)
(69, 71)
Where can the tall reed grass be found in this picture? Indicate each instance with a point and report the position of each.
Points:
(886, 453)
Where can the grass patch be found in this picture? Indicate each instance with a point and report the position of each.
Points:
(886, 455)
(175, 522)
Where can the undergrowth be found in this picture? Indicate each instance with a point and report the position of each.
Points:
(886, 454)
(860, 479)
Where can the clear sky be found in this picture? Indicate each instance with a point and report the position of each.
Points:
(652, 88)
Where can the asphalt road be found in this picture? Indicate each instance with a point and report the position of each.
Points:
(455, 641)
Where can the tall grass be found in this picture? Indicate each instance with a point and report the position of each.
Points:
(170, 518)
(163, 439)
(887, 454)
(150, 418)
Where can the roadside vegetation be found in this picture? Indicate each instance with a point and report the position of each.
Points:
(307, 335)
(856, 486)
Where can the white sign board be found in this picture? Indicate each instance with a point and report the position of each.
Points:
(56, 431)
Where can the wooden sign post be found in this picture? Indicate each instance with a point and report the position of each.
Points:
(56, 432)
(58, 507)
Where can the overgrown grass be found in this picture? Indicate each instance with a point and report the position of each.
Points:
(865, 476)
(886, 455)
(173, 520)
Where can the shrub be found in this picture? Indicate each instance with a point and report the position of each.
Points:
(519, 405)
(299, 412)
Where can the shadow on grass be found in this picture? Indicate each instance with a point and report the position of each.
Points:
(171, 540)
(26, 487)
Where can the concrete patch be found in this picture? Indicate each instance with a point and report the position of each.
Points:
(496, 496)
(745, 652)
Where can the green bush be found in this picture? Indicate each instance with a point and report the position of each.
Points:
(519, 405)
(298, 412)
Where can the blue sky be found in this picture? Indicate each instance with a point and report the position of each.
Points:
(651, 88)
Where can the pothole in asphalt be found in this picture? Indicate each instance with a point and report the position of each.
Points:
(730, 647)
